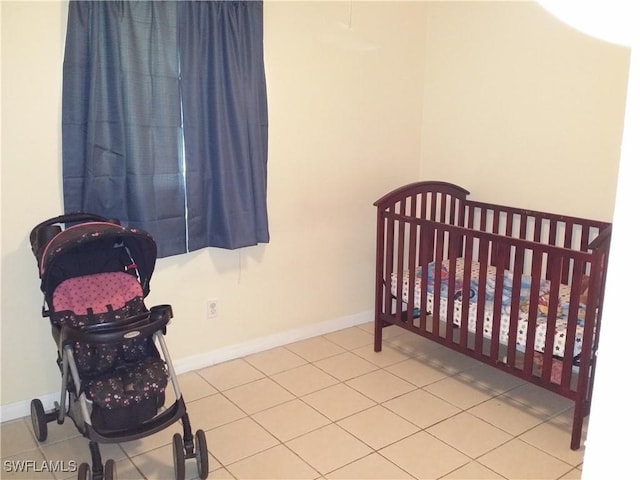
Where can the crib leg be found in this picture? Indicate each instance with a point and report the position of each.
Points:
(578, 419)
(377, 335)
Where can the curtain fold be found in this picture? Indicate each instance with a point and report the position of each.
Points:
(121, 117)
(224, 103)
(164, 119)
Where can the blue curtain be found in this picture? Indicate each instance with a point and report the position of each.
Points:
(164, 119)
(225, 122)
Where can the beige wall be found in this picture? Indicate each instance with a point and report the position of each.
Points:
(521, 109)
(32, 45)
(363, 97)
(345, 105)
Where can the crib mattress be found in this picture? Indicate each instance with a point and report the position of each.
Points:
(523, 313)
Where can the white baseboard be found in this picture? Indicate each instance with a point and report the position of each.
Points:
(22, 408)
(231, 352)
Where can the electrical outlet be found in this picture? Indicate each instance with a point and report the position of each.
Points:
(212, 309)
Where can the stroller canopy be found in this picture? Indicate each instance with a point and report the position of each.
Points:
(91, 247)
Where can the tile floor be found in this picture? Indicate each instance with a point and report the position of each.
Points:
(330, 408)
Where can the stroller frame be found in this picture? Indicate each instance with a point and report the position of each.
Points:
(150, 324)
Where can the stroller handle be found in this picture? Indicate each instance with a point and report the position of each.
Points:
(68, 218)
(44, 232)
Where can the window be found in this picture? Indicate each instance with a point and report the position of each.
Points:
(164, 119)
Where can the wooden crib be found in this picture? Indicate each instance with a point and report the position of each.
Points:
(517, 289)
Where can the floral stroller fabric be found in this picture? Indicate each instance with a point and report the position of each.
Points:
(115, 365)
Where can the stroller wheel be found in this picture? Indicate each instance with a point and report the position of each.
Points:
(178, 457)
(84, 471)
(109, 470)
(38, 420)
(202, 455)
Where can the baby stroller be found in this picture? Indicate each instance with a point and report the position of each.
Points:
(95, 275)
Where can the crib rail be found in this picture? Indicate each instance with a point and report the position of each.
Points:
(539, 227)
(411, 245)
(546, 262)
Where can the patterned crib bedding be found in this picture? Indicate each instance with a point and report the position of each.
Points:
(523, 314)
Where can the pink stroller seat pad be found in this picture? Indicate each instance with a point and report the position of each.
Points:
(96, 292)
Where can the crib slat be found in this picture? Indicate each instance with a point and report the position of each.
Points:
(515, 306)
(471, 215)
(532, 320)
(499, 253)
(509, 225)
(426, 256)
(584, 237)
(572, 323)
(390, 230)
(437, 280)
(568, 240)
(434, 206)
(483, 259)
(553, 268)
(466, 289)
(454, 240)
(537, 229)
(523, 226)
(568, 233)
(412, 270)
(553, 232)
(400, 266)
(483, 220)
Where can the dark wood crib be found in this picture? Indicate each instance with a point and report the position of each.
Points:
(517, 289)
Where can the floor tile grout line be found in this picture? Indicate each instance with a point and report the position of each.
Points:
(410, 355)
(335, 422)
